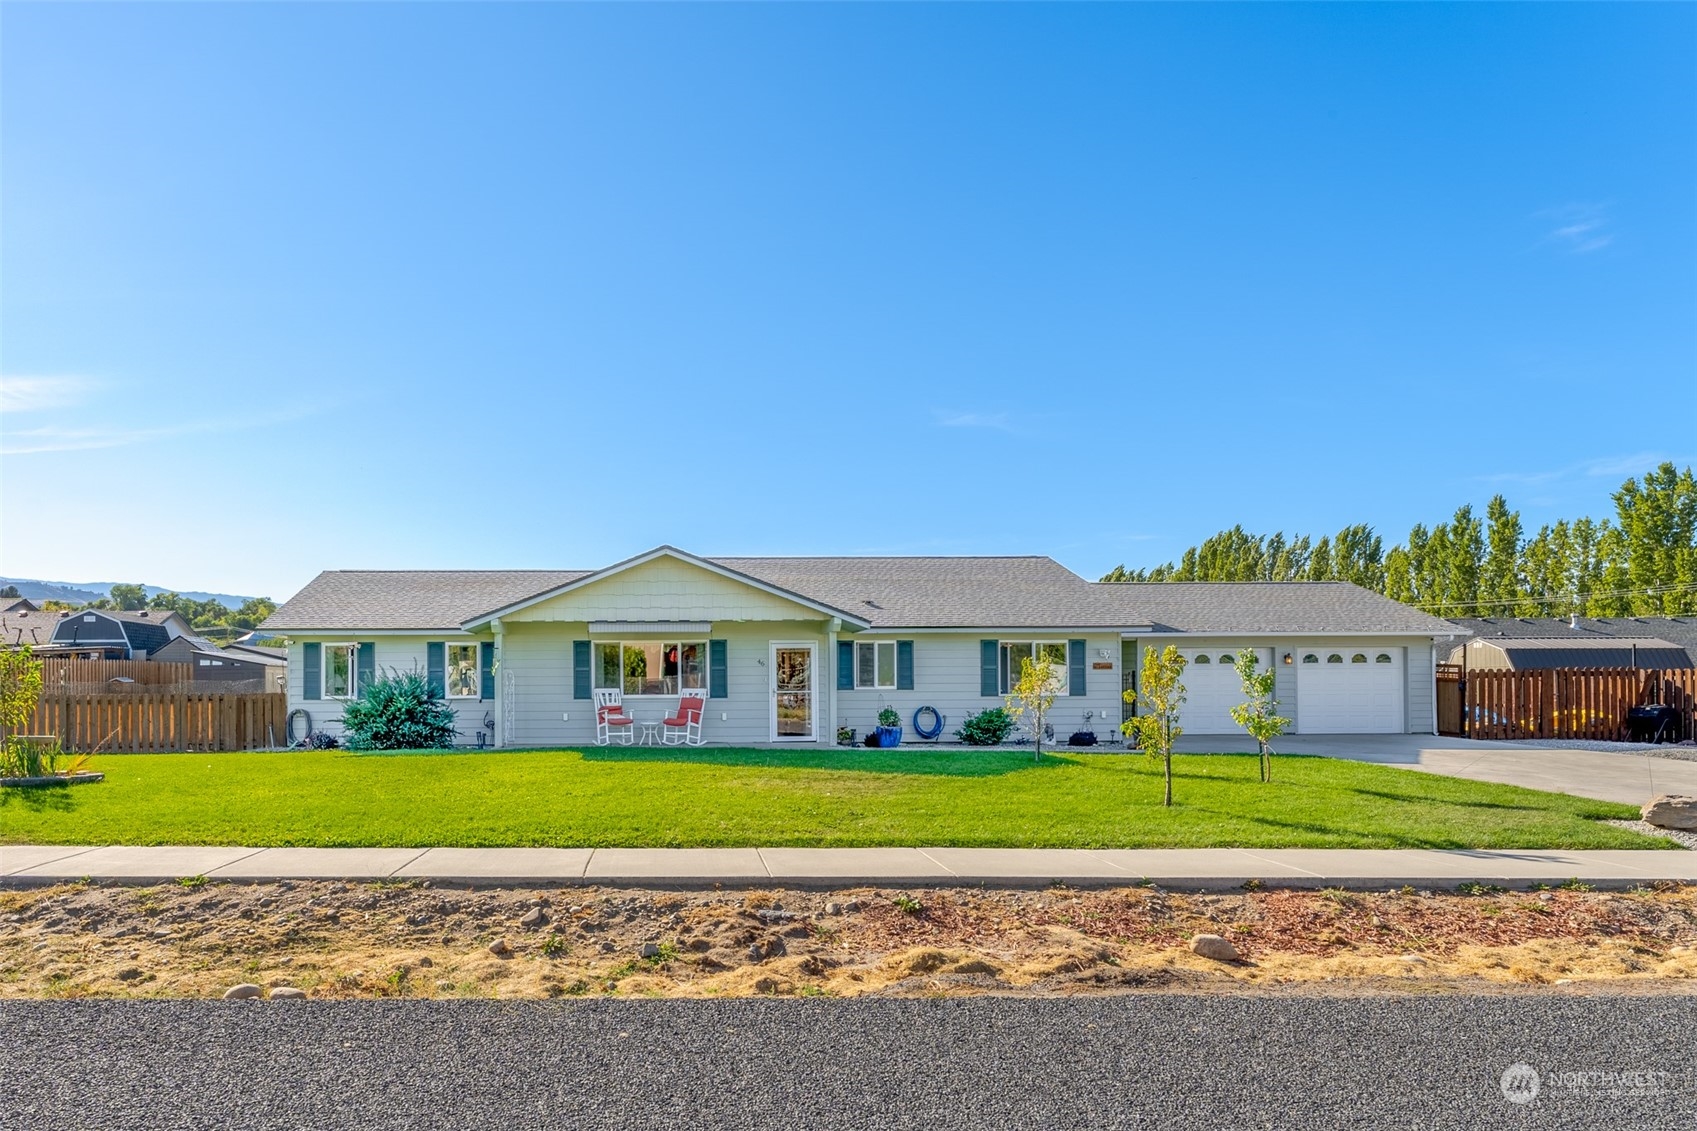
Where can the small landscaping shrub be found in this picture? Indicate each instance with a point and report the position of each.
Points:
(399, 711)
(986, 728)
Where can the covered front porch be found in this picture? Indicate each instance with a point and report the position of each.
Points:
(654, 630)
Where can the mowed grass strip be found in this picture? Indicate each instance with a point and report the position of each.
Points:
(842, 797)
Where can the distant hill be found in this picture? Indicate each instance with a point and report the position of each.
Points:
(82, 592)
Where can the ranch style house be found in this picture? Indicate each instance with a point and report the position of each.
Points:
(787, 650)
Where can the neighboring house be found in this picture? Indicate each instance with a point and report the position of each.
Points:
(19, 605)
(108, 634)
(788, 649)
(22, 623)
(227, 665)
(1540, 643)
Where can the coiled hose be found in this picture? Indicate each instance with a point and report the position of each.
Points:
(936, 728)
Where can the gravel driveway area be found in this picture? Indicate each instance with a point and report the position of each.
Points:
(1143, 1061)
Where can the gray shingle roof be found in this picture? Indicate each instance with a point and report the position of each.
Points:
(890, 593)
(1677, 630)
(1543, 652)
(1025, 592)
(408, 599)
(1268, 606)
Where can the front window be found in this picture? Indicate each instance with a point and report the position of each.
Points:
(339, 671)
(1014, 655)
(462, 671)
(651, 667)
(875, 664)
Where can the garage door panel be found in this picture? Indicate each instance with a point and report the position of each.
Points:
(1342, 690)
(1211, 689)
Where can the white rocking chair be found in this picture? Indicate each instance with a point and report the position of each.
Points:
(684, 728)
(611, 722)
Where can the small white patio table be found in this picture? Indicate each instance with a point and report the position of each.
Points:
(650, 731)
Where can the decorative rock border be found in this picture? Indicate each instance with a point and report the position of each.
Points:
(83, 777)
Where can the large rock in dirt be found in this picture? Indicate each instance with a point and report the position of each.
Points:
(244, 992)
(287, 993)
(1214, 947)
(1671, 811)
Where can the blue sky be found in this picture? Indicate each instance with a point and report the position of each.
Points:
(292, 287)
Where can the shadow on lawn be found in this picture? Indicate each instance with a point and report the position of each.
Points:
(40, 799)
(924, 761)
(1427, 799)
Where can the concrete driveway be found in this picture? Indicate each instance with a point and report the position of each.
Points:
(1631, 779)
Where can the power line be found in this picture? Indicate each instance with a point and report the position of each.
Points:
(1647, 591)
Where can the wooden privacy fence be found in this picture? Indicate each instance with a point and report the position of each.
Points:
(139, 722)
(1571, 702)
(64, 671)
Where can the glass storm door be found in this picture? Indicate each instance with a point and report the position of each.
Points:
(792, 691)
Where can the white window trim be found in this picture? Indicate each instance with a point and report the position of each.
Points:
(875, 645)
(448, 647)
(352, 648)
(595, 667)
(1007, 676)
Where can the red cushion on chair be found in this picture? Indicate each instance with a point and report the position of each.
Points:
(680, 721)
(615, 716)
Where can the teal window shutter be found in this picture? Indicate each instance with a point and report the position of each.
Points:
(904, 665)
(718, 674)
(365, 667)
(845, 665)
(312, 671)
(581, 686)
(436, 666)
(486, 654)
(1075, 667)
(988, 682)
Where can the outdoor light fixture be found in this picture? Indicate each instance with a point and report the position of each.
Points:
(1287, 657)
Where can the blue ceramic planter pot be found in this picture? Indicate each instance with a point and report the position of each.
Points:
(889, 736)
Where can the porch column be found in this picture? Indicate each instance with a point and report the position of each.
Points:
(500, 737)
(832, 627)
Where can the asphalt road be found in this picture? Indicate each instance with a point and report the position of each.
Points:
(1137, 1061)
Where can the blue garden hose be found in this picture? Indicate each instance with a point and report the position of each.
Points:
(936, 726)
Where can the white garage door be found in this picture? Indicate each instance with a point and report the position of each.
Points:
(1211, 689)
(1349, 691)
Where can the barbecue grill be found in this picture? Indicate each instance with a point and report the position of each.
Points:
(1651, 724)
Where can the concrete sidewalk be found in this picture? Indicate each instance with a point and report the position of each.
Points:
(1217, 868)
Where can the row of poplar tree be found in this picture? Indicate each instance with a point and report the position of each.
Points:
(1643, 562)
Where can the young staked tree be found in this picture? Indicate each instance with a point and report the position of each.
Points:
(1159, 695)
(1258, 713)
(1031, 697)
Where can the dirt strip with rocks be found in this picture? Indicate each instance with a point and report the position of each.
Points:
(337, 940)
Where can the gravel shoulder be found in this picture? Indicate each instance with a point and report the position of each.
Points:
(995, 1062)
(414, 940)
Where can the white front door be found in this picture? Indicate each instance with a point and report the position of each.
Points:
(1349, 690)
(793, 708)
(1212, 688)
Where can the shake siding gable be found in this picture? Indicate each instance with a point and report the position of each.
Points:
(665, 589)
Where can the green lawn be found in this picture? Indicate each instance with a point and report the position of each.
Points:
(769, 797)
